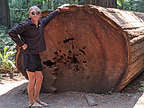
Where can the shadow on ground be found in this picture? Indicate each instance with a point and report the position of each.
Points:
(17, 98)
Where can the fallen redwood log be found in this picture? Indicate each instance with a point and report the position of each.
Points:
(92, 49)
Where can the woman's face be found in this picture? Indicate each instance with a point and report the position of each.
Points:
(35, 14)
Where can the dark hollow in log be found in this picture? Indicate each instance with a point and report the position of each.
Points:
(89, 50)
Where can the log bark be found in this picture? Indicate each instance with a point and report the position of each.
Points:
(92, 49)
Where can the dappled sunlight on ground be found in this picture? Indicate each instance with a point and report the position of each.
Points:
(6, 86)
(140, 102)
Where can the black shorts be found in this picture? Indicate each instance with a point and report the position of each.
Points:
(32, 62)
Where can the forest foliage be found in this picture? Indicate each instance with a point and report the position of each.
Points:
(19, 8)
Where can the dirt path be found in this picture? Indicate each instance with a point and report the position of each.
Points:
(12, 96)
(16, 98)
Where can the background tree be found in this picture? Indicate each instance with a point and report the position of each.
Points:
(4, 13)
(139, 5)
(104, 3)
(134, 5)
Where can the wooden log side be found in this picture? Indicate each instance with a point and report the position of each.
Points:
(137, 67)
(136, 55)
(136, 46)
(122, 17)
(137, 40)
(135, 59)
(132, 74)
(134, 70)
(135, 31)
(127, 80)
(135, 64)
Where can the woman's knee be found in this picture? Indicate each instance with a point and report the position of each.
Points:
(39, 76)
(31, 76)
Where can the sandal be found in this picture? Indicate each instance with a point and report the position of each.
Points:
(34, 104)
(30, 105)
(42, 103)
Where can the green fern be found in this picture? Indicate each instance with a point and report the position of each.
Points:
(6, 63)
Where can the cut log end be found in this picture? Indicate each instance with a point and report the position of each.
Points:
(81, 51)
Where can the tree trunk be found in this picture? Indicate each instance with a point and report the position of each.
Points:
(4, 13)
(104, 3)
(92, 49)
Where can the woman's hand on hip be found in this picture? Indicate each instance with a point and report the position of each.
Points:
(24, 46)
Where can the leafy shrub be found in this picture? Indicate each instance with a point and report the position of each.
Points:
(6, 58)
(5, 40)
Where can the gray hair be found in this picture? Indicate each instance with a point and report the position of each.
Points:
(34, 7)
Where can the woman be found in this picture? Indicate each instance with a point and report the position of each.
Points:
(32, 43)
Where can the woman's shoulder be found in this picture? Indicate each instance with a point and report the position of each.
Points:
(22, 25)
(25, 23)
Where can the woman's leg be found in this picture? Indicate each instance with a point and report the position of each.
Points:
(31, 84)
(39, 79)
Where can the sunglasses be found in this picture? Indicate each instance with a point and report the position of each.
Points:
(35, 13)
